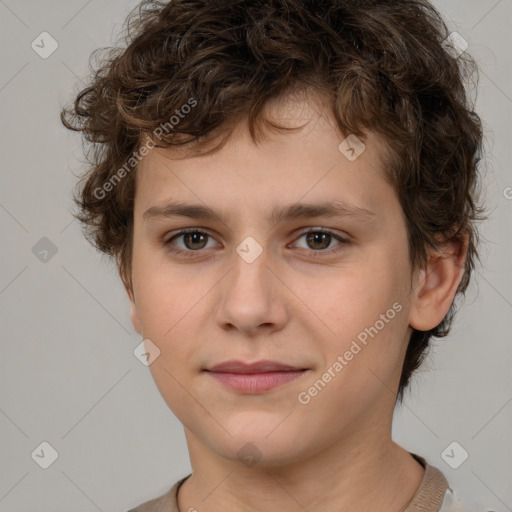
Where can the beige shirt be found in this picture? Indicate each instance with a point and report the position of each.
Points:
(428, 497)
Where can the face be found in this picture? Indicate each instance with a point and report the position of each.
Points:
(325, 293)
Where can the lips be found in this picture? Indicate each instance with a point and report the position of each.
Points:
(264, 366)
(254, 378)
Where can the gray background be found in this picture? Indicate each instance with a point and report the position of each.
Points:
(68, 374)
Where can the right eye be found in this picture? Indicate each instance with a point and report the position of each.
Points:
(193, 241)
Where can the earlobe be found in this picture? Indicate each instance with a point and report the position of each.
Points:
(130, 292)
(134, 315)
(437, 285)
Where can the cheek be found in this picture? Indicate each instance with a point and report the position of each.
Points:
(165, 293)
(360, 314)
(170, 320)
(350, 299)
(168, 308)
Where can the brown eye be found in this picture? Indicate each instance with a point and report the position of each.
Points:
(318, 240)
(195, 240)
(321, 241)
(188, 242)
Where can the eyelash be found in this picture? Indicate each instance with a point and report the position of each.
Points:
(317, 253)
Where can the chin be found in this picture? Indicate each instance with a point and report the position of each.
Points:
(255, 444)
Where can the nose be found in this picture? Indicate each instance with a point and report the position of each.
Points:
(252, 297)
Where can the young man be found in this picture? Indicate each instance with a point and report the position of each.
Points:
(289, 190)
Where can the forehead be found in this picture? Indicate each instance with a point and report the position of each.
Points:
(284, 166)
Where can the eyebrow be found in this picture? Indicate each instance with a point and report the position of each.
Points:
(278, 214)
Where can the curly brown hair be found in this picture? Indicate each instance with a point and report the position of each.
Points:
(382, 66)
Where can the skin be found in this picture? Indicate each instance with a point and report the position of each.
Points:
(298, 303)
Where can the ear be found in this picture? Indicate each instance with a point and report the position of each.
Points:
(134, 314)
(126, 279)
(436, 285)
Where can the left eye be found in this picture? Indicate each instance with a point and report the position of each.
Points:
(320, 240)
